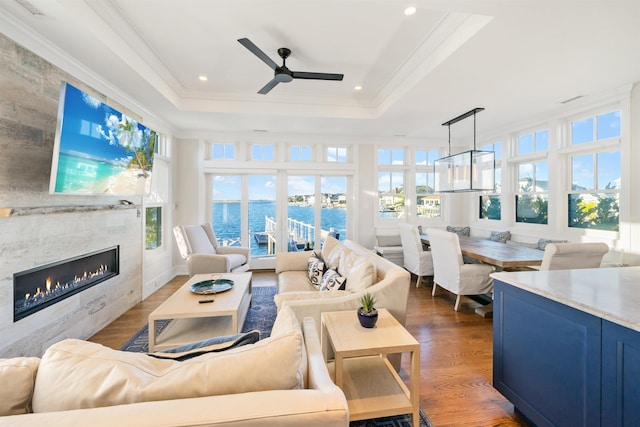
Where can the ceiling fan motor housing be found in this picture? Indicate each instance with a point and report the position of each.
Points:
(283, 75)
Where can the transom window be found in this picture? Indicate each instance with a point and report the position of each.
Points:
(300, 153)
(337, 154)
(262, 152)
(223, 152)
(533, 142)
(390, 156)
(596, 128)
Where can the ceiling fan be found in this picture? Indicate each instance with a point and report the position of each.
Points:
(281, 73)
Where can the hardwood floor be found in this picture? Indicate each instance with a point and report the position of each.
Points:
(455, 354)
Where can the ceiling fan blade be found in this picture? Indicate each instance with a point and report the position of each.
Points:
(265, 90)
(316, 76)
(257, 52)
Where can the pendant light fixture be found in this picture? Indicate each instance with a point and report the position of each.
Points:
(471, 170)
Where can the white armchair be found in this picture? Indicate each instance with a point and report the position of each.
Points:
(416, 260)
(565, 256)
(451, 273)
(199, 246)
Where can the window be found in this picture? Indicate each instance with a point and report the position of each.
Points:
(390, 157)
(337, 154)
(427, 202)
(333, 213)
(300, 153)
(262, 152)
(596, 128)
(595, 184)
(593, 198)
(391, 194)
(533, 142)
(226, 199)
(153, 228)
(262, 214)
(223, 152)
(490, 202)
(532, 199)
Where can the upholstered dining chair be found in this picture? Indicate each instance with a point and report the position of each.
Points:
(199, 246)
(415, 259)
(565, 256)
(451, 273)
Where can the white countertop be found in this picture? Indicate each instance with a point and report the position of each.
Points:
(609, 293)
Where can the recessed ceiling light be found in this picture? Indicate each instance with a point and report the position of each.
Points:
(358, 87)
(203, 78)
(410, 10)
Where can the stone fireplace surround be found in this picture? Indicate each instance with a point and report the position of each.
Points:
(35, 240)
(35, 229)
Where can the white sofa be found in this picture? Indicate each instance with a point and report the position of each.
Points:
(389, 285)
(314, 401)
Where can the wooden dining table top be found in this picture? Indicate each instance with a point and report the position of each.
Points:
(496, 253)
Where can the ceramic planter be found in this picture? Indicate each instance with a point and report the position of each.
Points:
(367, 320)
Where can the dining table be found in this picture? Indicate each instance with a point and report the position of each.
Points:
(504, 256)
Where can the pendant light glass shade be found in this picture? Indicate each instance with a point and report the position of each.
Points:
(471, 170)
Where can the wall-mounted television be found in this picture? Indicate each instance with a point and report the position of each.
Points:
(98, 149)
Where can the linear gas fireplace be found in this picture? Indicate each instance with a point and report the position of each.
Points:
(41, 287)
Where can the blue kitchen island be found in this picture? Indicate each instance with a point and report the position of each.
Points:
(566, 345)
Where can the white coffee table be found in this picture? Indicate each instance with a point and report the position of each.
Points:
(370, 383)
(193, 321)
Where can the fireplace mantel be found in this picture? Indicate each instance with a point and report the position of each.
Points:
(45, 210)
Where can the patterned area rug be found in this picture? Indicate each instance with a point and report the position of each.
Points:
(261, 316)
(396, 421)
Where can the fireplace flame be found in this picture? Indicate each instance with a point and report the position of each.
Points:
(51, 290)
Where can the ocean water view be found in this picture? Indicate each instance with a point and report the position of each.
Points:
(226, 220)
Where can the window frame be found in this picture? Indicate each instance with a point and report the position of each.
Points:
(542, 195)
(593, 148)
(426, 168)
(157, 229)
(497, 193)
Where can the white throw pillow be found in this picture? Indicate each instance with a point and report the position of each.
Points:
(76, 374)
(17, 376)
(359, 271)
(361, 276)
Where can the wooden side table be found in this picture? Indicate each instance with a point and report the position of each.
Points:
(361, 369)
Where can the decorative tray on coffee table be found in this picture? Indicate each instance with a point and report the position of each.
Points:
(211, 286)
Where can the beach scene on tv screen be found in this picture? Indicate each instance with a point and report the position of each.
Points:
(101, 150)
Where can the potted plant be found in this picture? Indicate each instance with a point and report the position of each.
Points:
(367, 313)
